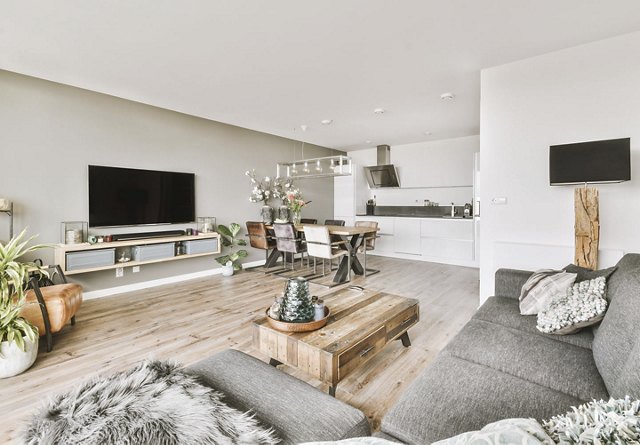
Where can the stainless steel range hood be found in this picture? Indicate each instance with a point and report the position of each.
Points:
(384, 174)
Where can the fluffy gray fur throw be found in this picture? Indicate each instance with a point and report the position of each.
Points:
(154, 403)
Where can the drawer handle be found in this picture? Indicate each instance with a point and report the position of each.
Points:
(407, 320)
(366, 351)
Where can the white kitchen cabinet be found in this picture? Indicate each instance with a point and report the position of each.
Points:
(385, 243)
(350, 194)
(407, 236)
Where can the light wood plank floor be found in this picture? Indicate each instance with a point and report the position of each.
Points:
(192, 320)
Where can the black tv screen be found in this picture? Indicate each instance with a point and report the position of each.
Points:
(590, 162)
(129, 197)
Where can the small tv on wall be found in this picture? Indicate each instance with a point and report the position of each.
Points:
(590, 162)
(130, 197)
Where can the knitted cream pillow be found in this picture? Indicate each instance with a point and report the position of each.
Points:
(583, 305)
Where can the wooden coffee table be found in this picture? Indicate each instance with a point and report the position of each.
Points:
(362, 322)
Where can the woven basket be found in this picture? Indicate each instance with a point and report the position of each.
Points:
(299, 327)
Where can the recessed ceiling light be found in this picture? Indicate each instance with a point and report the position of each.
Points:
(379, 110)
(447, 96)
(326, 121)
(304, 127)
(427, 133)
(367, 141)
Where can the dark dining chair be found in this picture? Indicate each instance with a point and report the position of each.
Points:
(369, 242)
(288, 242)
(334, 222)
(259, 238)
(308, 221)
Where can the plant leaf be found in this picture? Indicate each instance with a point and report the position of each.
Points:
(224, 230)
(234, 228)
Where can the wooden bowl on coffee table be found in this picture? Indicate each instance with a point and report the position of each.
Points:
(285, 326)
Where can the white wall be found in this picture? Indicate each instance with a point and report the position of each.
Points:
(584, 93)
(441, 171)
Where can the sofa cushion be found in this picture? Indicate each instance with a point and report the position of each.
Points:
(585, 274)
(616, 339)
(297, 411)
(540, 360)
(504, 311)
(454, 395)
(542, 287)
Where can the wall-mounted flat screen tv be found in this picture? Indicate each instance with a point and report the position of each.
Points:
(590, 162)
(129, 197)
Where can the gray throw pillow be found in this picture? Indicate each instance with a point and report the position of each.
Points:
(583, 305)
(585, 274)
(539, 290)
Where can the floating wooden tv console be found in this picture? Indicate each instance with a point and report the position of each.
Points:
(85, 257)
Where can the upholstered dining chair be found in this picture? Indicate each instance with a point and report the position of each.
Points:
(369, 241)
(288, 242)
(334, 222)
(50, 306)
(319, 245)
(308, 221)
(259, 238)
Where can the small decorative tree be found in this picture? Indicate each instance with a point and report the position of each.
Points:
(228, 238)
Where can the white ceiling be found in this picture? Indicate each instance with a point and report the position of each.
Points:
(274, 65)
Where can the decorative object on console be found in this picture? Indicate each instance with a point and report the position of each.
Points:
(583, 305)
(539, 290)
(206, 224)
(6, 206)
(297, 306)
(598, 422)
(595, 162)
(74, 232)
(229, 239)
(125, 408)
(18, 337)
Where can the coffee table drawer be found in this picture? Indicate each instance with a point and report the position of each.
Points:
(360, 353)
(400, 323)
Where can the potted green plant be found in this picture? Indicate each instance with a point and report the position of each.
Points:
(18, 337)
(228, 238)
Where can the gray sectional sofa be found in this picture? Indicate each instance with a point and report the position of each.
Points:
(498, 366)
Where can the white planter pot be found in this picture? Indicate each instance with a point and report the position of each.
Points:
(13, 360)
(227, 271)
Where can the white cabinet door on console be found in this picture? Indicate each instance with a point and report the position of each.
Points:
(407, 235)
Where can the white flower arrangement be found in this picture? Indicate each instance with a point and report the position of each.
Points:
(268, 188)
(583, 302)
(597, 422)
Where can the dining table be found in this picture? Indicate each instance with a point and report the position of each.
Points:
(353, 238)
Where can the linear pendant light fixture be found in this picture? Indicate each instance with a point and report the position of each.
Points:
(326, 167)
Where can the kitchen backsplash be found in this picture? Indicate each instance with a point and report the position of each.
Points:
(416, 197)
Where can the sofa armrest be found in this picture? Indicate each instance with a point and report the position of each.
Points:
(297, 411)
(509, 282)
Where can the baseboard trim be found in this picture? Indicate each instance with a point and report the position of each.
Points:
(100, 293)
(406, 256)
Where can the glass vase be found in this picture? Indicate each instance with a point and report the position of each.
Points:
(283, 213)
(295, 217)
(267, 214)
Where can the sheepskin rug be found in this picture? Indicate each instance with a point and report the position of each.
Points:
(153, 403)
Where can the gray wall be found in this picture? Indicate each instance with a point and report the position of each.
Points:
(50, 132)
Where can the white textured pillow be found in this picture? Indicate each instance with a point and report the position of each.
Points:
(583, 305)
(539, 290)
(502, 432)
(615, 421)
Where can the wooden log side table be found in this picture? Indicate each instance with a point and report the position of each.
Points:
(362, 322)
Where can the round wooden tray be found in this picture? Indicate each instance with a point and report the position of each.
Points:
(299, 327)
